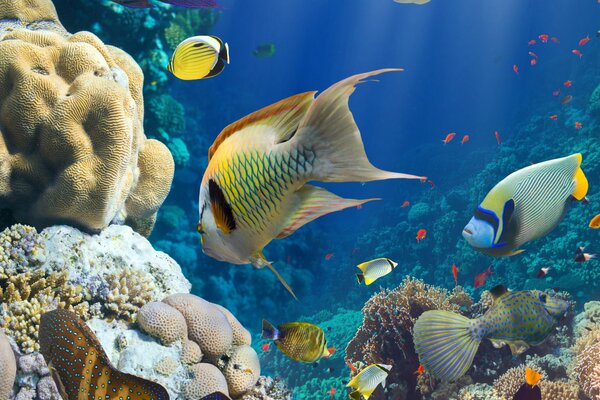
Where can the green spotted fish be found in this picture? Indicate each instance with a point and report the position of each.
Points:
(446, 342)
(367, 380)
(375, 269)
(255, 186)
(300, 341)
(526, 205)
(80, 367)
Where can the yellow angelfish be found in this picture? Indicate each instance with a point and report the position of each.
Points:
(254, 188)
(300, 341)
(368, 379)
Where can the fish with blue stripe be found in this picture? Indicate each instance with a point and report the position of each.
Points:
(80, 367)
(526, 205)
(446, 342)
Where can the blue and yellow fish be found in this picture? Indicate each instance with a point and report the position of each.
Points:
(446, 342)
(255, 186)
(300, 341)
(526, 205)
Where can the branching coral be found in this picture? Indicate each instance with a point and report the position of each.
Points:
(128, 291)
(587, 368)
(19, 247)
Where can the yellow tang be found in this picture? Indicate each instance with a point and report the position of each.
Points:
(300, 341)
(375, 269)
(199, 57)
(368, 379)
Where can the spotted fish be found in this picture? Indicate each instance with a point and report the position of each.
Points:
(300, 341)
(80, 367)
(255, 186)
(446, 342)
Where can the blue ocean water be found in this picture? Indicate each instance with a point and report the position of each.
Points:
(458, 58)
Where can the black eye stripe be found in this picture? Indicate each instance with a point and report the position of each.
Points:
(488, 217)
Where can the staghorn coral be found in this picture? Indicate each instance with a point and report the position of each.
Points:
(72, 147)
(128, 291)
(385, 335)
(19, 247)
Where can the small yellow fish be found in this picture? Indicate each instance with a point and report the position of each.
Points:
(300, 341)
(199, 57)
(532, 377)
(367, 380)
(595, 222)
(375, 269)
(255, 186)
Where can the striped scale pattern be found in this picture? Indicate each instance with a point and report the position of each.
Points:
(72, 350)
(255, 184)
(301, 341)
(541, 200)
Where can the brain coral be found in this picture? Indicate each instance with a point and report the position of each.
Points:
(242, 370)
(72, 146)
(8, 367)
(207, 379)
(162, 321)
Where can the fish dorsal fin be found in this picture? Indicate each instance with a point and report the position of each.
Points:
(221, 209)
(284, 116)
(363, 266)
(313, 202)
(498, 291)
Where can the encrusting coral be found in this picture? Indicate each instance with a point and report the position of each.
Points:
(72, 146)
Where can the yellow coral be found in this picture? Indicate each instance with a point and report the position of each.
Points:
(129, 291)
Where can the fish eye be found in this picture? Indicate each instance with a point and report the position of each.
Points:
(543, 298)
(200, 229)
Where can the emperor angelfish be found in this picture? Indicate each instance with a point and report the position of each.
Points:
(446, 342)
(199, 57)
(254, 188)
(367, 380)
(525, 206)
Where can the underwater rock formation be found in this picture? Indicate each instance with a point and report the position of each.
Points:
(72, 146)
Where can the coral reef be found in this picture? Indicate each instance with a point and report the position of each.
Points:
(8, 367)
(72, 147)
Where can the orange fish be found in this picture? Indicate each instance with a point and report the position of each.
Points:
(449, 137)
(421, 370)
(566, 100)
(516, 69)
(544, 38)
(577, 53)
(328, 256)
(568, 83)
(595, 222)
(331, 351)
(405, 204)
(531, 42)
(554, 117)
(533, 61)
(465, 139)
(265, 347)
(532, 54)
(584, 40)
(481, 279)
(455, 272)
(578, 125)
(332, 392)
(421, 234)
(352, 367)
(555, 39)
(497, 137)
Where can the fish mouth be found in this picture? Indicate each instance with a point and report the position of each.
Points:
(467, 232)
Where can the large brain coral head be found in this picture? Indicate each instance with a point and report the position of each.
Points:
(72, 146)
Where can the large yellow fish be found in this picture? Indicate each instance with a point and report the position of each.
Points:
(254, 188)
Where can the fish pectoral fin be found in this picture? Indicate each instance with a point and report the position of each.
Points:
(313, 202)
(514, 253)
(282, 280)
(518, 347)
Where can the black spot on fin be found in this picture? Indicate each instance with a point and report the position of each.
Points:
(498, 291)
(221, 209)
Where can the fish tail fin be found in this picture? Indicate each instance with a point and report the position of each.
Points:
(360, 278)
(329, 129)
(354, 395)
(269, 331)
(445, 343)
(259, 261)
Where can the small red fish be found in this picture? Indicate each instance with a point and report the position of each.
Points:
(331, 392)
(542, 272)
(556, 93)
(449, 137)
(497, 137)
(352, 367)
(516, 69)
(331, 351)
(455, 272)
(465, 139)
(405, 204)
(578, 125)
(544, 38)
(554, 117)
(421, 370)
(555, 39)
(532, 54)
(584, 40)
(421, 234)
(328, 256)
(568, 83)
(533, 61)
(481, 279)
(577, 53)
(431, 183)
(531, 42)
(583, 257)
(265, 347)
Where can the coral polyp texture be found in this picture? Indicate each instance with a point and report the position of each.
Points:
(72, 145)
